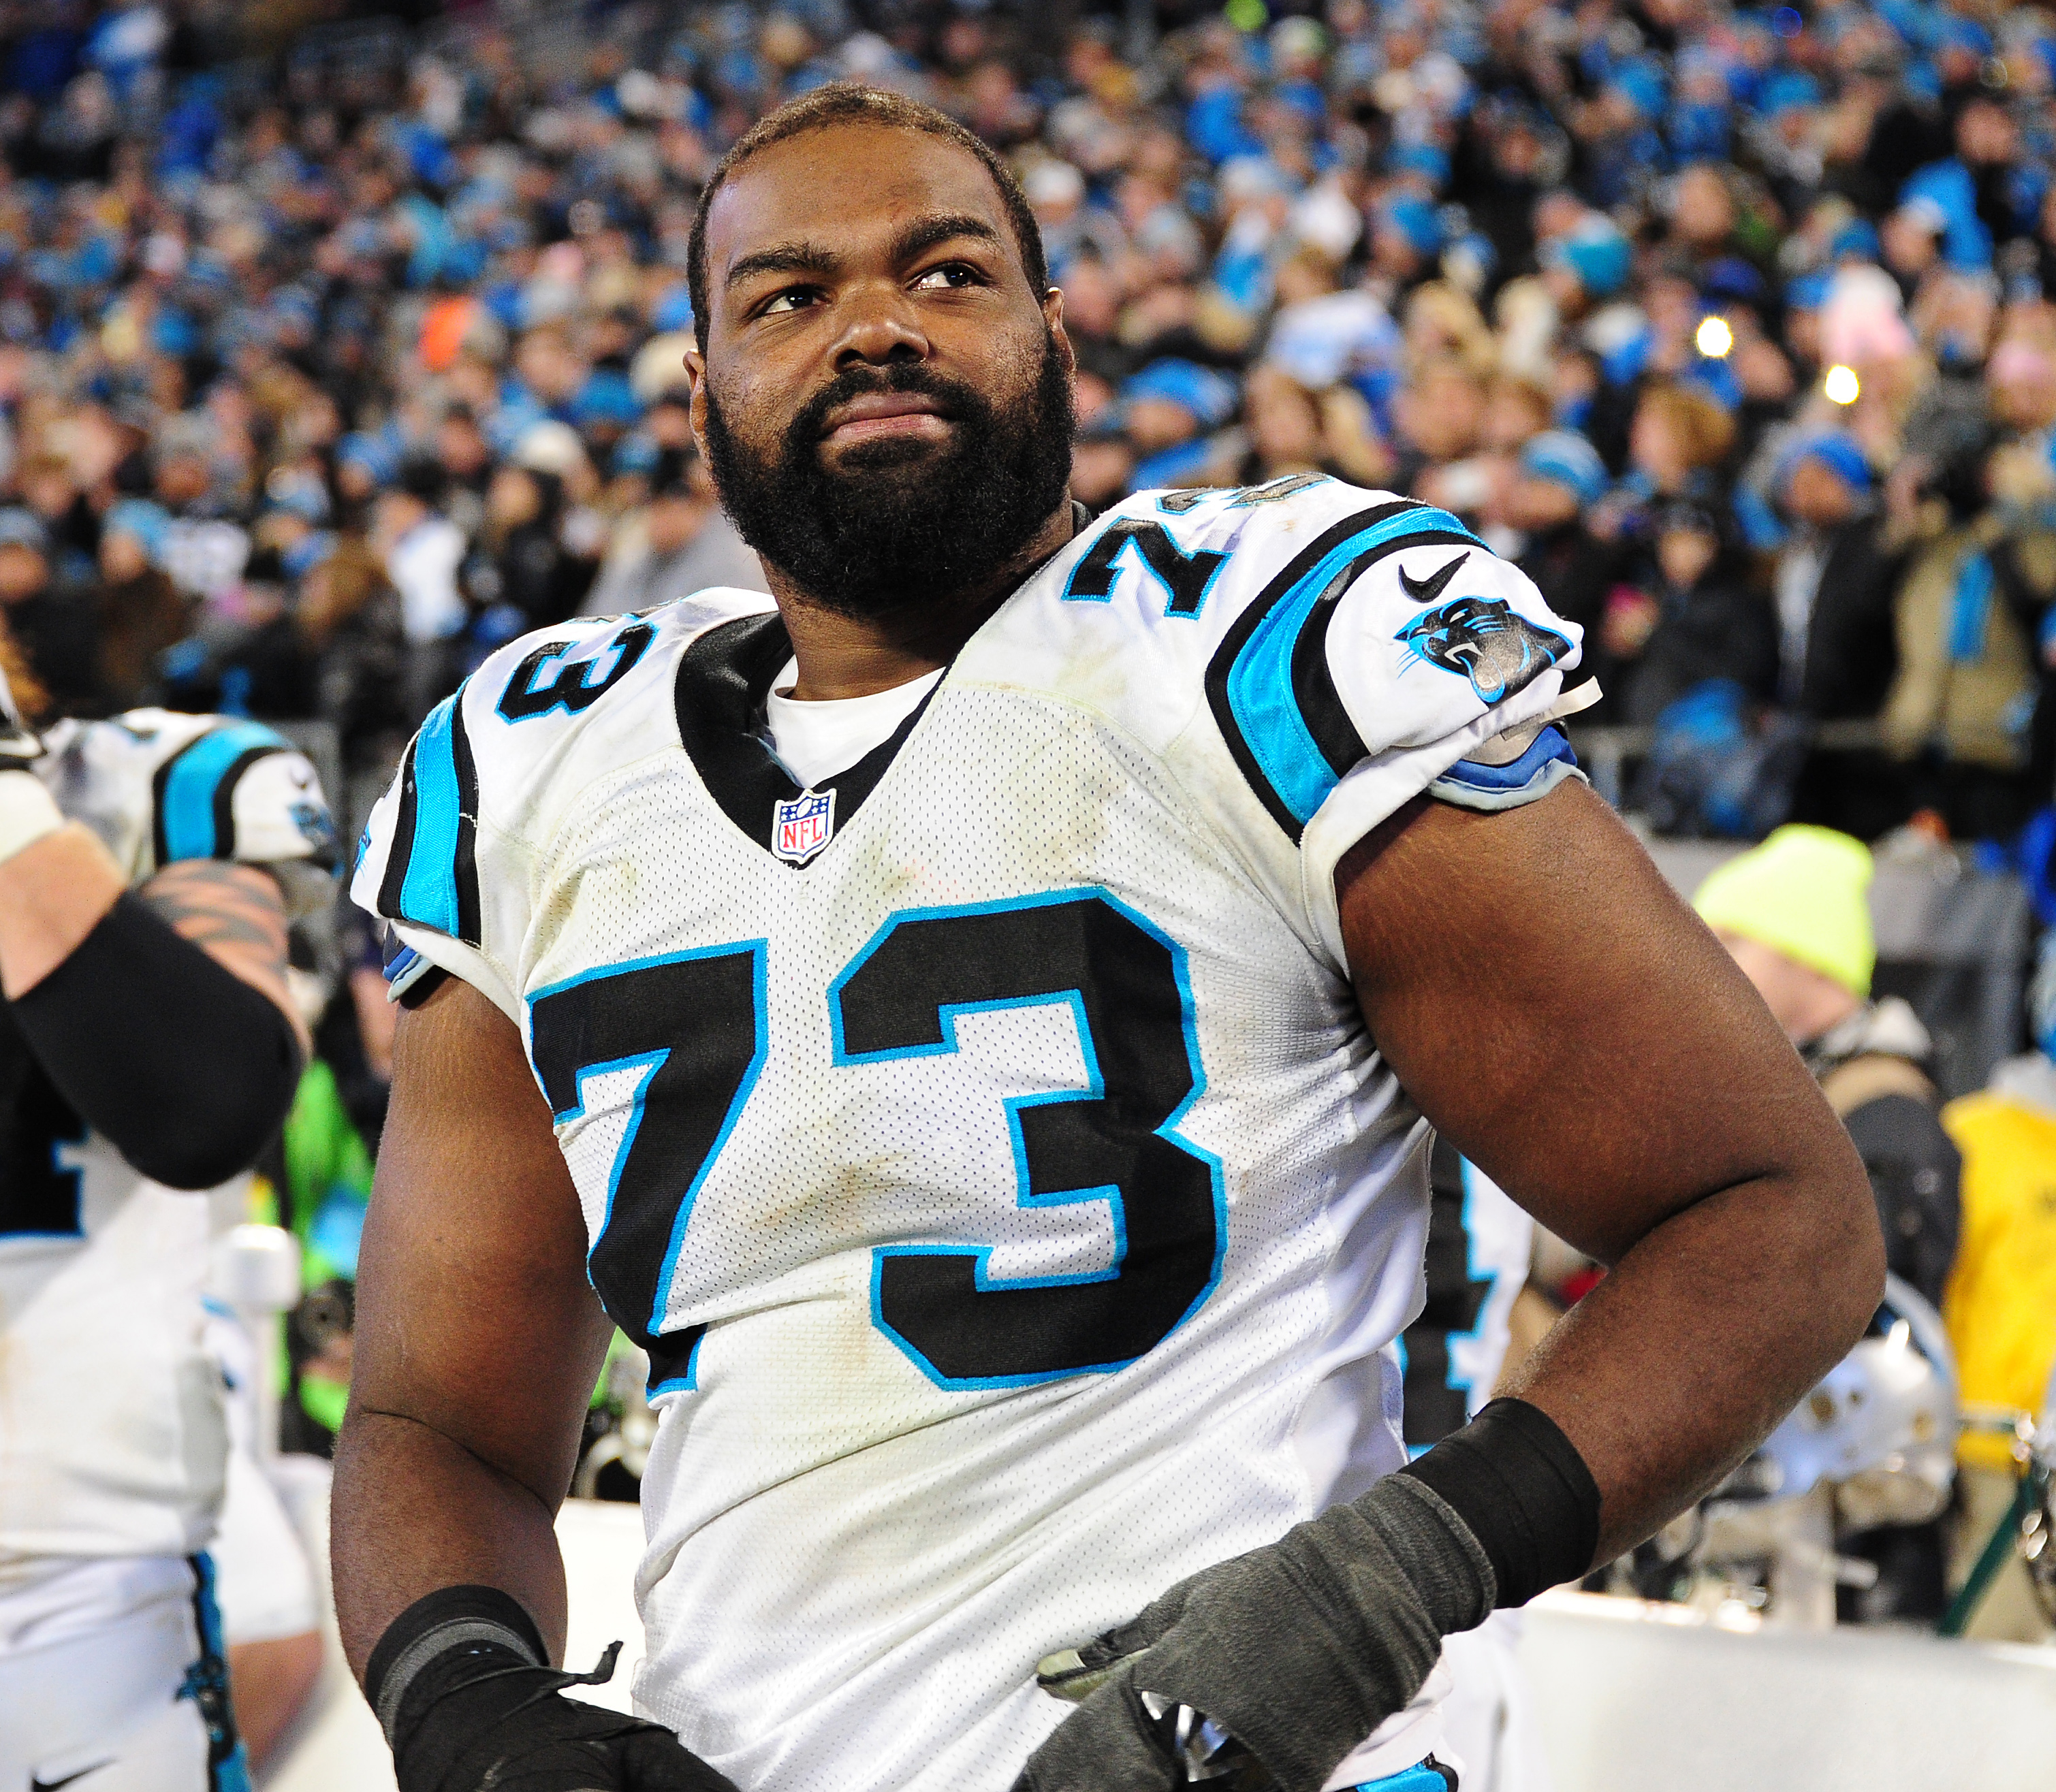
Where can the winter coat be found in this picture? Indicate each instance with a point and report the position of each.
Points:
(1966, 681)
(2003, 1292)
(1717, 629)
(1851, 651)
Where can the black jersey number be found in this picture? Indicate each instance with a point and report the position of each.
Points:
(1114, 1141)
(577, 686)
(1436, 1397)
(693, 1026)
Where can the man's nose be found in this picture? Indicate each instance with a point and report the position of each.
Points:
(880, 325)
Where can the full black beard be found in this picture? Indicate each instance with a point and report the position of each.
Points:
(900, 526)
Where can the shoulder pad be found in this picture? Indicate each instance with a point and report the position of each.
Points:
(159, 787)
(487, 751)
(563, 671)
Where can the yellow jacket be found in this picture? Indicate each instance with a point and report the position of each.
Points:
(2001, 1303)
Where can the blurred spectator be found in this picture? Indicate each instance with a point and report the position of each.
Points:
(1961, 710)
(1793, 913)
(1556, 477)
(678, 542)
(1836, 590)
(1699, 621)
(54, 625)
(142, 613)
(2004, 1288)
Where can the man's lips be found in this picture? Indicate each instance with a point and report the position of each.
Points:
(880, 414)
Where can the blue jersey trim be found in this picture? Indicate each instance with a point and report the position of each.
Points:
(431, 875)
(1549, 748)
(193, 780)
(1462, 1384)
(688, 1383)
(428, 891)
(1420, 1778)
(206, 1683)
(1259, 686)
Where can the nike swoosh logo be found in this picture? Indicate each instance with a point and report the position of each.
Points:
(36, 1785)
(1426, 590)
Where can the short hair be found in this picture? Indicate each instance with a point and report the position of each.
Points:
(844, 102)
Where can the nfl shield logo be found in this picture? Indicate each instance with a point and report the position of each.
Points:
(801, 827)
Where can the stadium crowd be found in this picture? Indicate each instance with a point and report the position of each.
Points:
(336, 352)
(327, 368)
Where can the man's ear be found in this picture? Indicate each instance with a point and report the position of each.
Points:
(1053, 315)
(696, 405)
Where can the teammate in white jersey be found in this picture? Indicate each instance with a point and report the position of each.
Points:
(1479, 1244)
(977, 1019)
(148, 1049)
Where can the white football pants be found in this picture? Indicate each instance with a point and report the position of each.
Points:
(121, 1707)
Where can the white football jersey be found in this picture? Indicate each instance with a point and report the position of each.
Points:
(112, 1438)
(985, 1144)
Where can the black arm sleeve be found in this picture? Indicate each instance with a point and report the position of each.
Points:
(180, 1063)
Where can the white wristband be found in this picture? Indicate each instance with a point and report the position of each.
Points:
(27, 812)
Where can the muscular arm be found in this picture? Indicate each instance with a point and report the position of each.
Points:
(1570, 1026)
(478, 1337)
(54, 894)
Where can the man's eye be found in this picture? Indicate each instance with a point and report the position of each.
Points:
(951, 273)
(792, 299)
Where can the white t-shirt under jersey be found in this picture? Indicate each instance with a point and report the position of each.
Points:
(818, 739)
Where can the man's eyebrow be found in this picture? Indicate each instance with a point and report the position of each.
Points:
(816, 258)
(925, 233)
(784, 258)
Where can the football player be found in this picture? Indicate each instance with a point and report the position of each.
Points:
(976, 1021)
(148, 1050)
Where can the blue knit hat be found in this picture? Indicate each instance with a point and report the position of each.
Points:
(149, 523)
(1807, 293)
(1595, 253)
(1417, 220)
(1839, 454)
(1563, 457)
(1210, 396)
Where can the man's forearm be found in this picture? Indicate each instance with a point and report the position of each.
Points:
(414, 1512)
(1704, 1335)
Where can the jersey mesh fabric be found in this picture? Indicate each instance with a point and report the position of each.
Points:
(855, 1561)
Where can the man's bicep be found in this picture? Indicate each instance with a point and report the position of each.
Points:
(474, 1315)
(1561, 1017)
(234, 914)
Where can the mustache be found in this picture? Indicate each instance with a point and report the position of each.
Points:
(957, 399)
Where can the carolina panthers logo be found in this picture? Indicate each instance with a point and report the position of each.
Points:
(1487, 641)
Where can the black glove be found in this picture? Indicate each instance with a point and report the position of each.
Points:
(459, 1683)
(1266, 1671)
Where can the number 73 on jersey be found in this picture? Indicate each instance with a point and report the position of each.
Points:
(694, 1026)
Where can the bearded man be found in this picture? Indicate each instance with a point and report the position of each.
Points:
(976, 1018)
